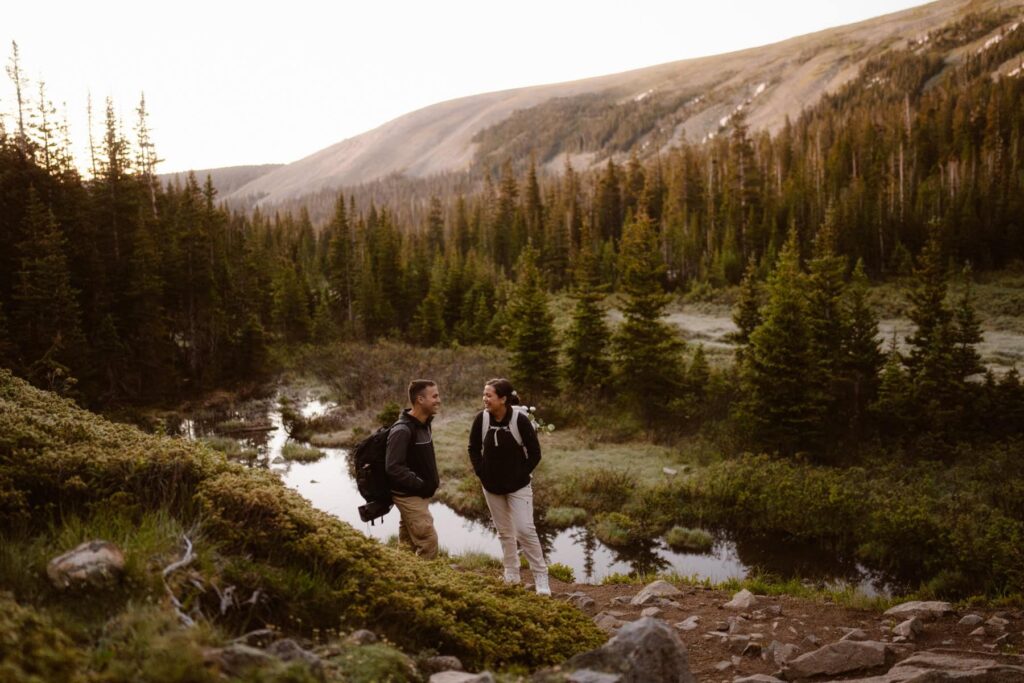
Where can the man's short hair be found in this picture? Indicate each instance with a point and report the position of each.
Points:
(417, 386)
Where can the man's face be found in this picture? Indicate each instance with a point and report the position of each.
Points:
(430, 400)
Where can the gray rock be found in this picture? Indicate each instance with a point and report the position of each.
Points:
(589, 676)
(688, 624)
(940, 667)
(855, 634)
(236, 659)
(846, 656)
(645, 651)
(736, 625)
(978, 632)
(811, 641)
(925, 609)
(654, 590)
(909, 629)
(737, 644)
(744, 600)
(723, 665)
(607, 622)
(259, 638)
(971, 620)
(93, 564)
(622, 600)
(583, 603)
(996, 626)
(758, 678)
(780, 653)
(650, 611)
(287, 650)
(753, 649)
(442, 663)
(462, 677)
(361, 637)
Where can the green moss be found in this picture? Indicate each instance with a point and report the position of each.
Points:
(56, 460)
(615, 529)
(33, 649)
(373, 663)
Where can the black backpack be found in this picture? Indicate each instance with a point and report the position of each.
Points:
(371, 475)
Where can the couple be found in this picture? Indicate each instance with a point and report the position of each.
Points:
(504, 450)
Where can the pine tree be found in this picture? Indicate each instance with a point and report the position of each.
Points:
(783, 405)
(646, 349)
(532, 341)
(587, 339)
(46, 322)
(342, 273)
(428, 326)
(862, 359)
(747, 312)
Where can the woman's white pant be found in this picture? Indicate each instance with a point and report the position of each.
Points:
(512, 514)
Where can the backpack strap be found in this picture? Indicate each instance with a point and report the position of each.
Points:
(513, 424)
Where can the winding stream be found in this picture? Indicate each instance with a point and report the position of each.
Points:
(327, 484)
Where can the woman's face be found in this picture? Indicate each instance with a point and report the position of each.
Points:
(492, 401)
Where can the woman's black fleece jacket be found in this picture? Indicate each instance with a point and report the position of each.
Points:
(502, 465)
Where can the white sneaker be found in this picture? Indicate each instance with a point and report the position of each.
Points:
(541, 581)
(511, 578)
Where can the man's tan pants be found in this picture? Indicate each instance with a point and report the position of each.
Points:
(416, 526)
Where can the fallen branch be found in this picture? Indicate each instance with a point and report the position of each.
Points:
(185, 619)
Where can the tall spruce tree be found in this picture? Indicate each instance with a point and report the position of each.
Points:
(783, 404)
(587, 340)
(532, 341)
(646, 349)
(862, 359)
(747, 311)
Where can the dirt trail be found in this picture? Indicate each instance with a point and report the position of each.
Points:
(807, 624)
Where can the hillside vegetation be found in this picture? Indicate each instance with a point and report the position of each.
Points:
(67, 476)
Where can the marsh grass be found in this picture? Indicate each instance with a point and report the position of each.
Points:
(685, 539)
(562, 572)
(297, 452)
(564, 517)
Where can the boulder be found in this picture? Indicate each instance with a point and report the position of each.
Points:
(939, 667)
(742, 601)
(653, 591)
(361, 637)
(971, 620)
(688, 624)
(583, 602)
(462, 677)
(589, 676)
(608, 623)
(442, 663)
(287, 650)
(846, 656)
(645, 651)
(780, 653)
(909, 629)
(237, 658)
(93, 564)
(924, 609)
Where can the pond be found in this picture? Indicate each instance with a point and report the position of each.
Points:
(328, 485)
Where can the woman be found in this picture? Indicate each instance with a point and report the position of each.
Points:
(504, 450)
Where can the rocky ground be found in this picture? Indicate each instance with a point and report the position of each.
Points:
(732, 637)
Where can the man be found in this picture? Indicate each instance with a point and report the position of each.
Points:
(412, 468)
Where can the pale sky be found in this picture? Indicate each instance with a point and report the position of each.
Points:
(231, 83)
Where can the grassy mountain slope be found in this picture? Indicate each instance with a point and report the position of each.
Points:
(645, 110)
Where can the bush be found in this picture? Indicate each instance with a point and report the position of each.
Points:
(615, 529)
(696, 540)
(598, 490)
(564, 517)
(562, 572)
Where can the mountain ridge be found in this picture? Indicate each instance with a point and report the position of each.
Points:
(661, 105)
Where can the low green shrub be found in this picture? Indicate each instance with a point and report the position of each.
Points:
(598, 490)
(564, 517)
(696, 540)
(615, 529)
(57, 460)
(562, 572)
